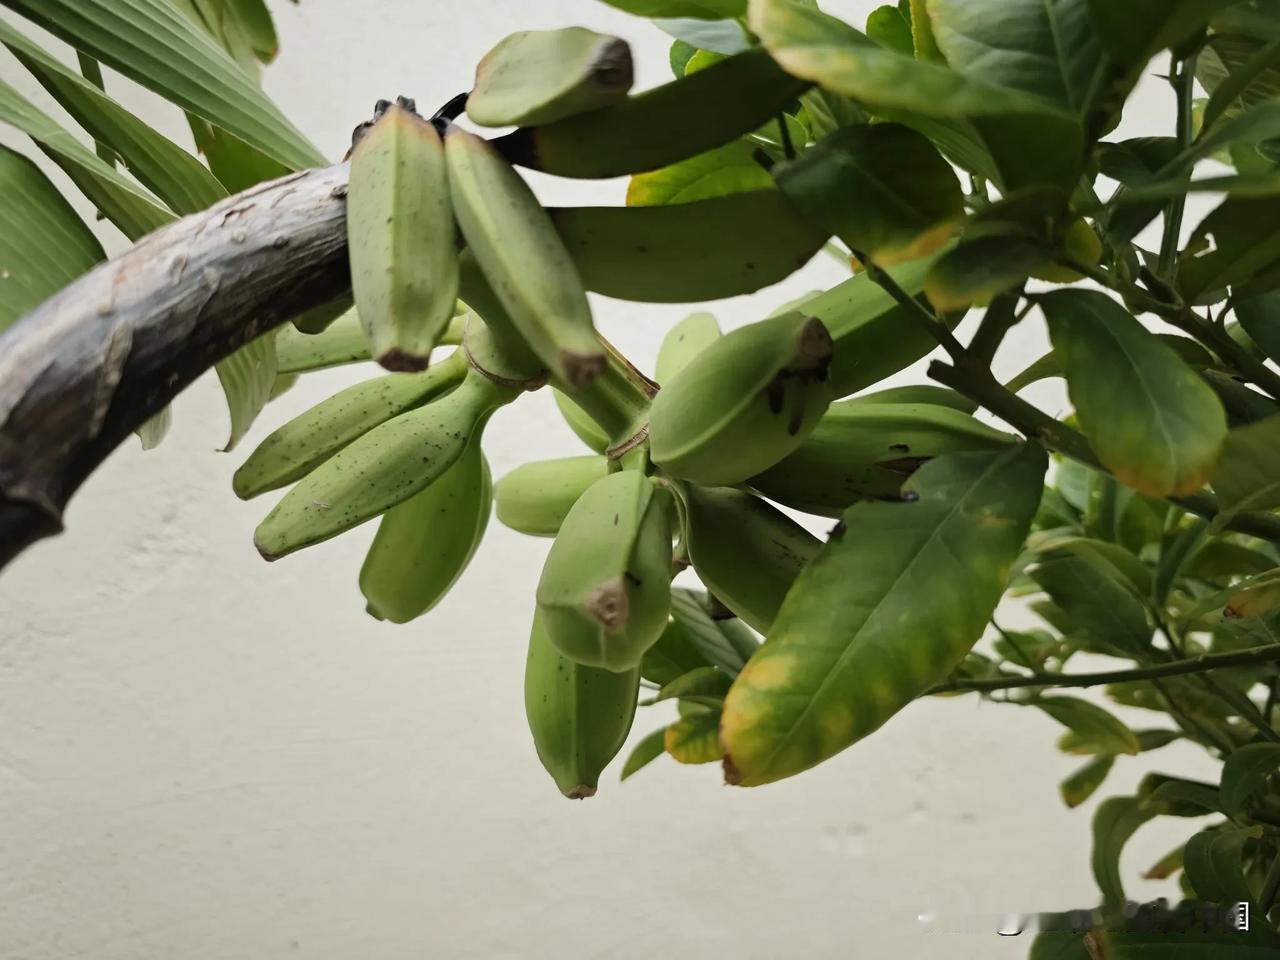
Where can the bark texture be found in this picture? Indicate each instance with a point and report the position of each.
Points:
(84, 369)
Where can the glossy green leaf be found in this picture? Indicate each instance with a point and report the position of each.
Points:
(855, 640)
(1214, 865)
(1248, 475)
(1092, 729)
(151, 42)
(44, 244)
(730, 169)
(1239, 72)
(1246, 775)
(644, 753)
(689, 610)
(978, 269)
(174, 175)
(671, 657)
(1151, 420)
(1084, 782)
(702, 685)
(695, 738)
(1045, 47)
(1102, 610)
(888, 27)
(1030, 139)
(1115, 821)
(121, 201)
(718, 36)
(1237, 243)
(1259, 315)
(1136, 30)
(1177, 797)
(883, 189)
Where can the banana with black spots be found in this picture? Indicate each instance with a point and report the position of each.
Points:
(384, 467)
(744, 402)
(866, 451)
(312, 437)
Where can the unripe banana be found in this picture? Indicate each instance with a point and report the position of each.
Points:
(919, 393)
(583, 427)
(401, 237)
(605, 591)
(866, 451)
(516, 246)
(683, 342)
(311, 438)
(745, 551)
(424, 544)
(541, 76)
(744, 403)
(343, 342)
(681, 119)
(386, 466)
(536, 497)
(579, 716)
(689, 252)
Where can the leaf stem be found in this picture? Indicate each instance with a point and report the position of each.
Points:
(1182, 80)
(998, 320)
(915, 309)
(1174, 668)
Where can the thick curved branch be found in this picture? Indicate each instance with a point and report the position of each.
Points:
(85, 368)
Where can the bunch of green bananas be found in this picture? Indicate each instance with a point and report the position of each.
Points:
(675, 477)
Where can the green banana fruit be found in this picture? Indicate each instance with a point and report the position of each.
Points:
(386, 466)
(688, 252)
(541, 76)
(866, 451)
(745, 551)
(311, 438)
(343, 342)
(516, 246)
(536, 497)
(919, 393)
(583, 427)
(424, 544)
(683, 342)
(681, 119)
(401, 238)
(605, 591)
(579, 716)
(744, 403)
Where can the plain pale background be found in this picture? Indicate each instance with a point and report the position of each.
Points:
(206, 757)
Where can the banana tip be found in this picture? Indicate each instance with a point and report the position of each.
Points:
(265, 552)
(580, 792)
(731, 775)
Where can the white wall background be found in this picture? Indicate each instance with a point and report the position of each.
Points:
(202, 756)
